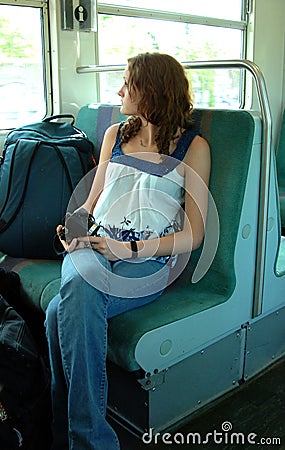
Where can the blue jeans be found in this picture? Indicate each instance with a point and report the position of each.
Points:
(76, 324)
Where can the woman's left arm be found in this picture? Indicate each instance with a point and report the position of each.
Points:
(197, 173)
(196, 166)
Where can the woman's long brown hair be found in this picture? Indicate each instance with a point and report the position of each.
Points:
(165, 97)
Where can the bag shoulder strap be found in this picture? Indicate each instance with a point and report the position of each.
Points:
(60, 116)
(14, 178)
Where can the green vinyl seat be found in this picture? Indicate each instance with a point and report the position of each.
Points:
(230, 134)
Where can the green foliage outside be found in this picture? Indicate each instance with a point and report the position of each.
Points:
(121, 37)
(12, 44)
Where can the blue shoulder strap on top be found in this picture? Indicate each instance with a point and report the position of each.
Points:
(183, 144)
(160, 169)
(179, 153)
(117, 151)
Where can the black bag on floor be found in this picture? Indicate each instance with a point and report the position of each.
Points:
(24, 386)
(41, 165)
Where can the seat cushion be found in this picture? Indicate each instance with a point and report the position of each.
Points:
(40, 278)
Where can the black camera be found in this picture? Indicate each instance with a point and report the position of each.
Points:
(76, 224)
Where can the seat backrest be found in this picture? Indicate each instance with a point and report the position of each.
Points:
(230, 135)
(94, 119)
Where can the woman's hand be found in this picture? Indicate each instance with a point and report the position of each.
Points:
(110, 248)
(68, 247)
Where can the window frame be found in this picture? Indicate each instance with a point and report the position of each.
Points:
(135, 12)
(43, 5)
(146, 13)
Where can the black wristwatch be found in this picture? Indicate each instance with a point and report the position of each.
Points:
(134, 247)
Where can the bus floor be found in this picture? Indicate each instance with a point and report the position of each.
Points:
(253, 416)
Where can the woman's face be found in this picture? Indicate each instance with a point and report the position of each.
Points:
(129, 102)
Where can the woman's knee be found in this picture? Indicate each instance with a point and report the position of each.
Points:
(52, 306)
(85, 266)
(51, 313)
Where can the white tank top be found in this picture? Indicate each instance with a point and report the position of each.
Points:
(141, 199)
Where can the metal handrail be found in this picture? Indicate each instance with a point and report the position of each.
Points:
(265, 154)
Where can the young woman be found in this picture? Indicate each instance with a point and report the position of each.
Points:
(149, 166)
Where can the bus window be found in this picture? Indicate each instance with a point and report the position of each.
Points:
(124, 31)
(22, 73)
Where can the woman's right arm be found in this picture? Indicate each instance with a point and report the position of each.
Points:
(105, 155)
